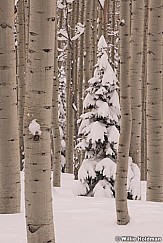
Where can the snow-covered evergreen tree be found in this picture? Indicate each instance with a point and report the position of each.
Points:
(99, 129)
(100, 122)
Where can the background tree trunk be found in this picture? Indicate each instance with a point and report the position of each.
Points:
(56, 146)
(144, 98)
(87, 43)
(154, 103)
(136, 47)
(69, 96)
(38, 105)
(9, 138)
(21, 74)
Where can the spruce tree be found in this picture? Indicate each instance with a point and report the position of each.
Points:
(99, 125)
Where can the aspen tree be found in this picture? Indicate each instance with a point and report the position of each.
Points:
(154, 103)
(113, 35)
(38, 108)
(136, 48)
(125, 131)
(56, 140)
(81, 59)
(95, 32)
(144, 98)
(75, 20)
(106, 18)
(87, 41)
(21, 73)
(9, 138)
(69, 97)
(100, 19)
(81, 73)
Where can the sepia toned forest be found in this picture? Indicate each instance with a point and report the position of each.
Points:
(81, 93)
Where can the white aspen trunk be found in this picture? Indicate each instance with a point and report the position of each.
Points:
(21, 74)
(56, 146)
(38, 105)
(9, 138)
(154, 103)
(125, 130)
(136, 47)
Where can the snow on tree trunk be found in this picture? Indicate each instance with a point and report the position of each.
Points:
(9, 138)
(37, 120)
(62, 116)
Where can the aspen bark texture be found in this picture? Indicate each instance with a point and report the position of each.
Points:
(9, 138)
(125, 132)
(38, 105)
(136, 48)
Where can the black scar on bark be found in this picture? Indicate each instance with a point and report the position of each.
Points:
(47, 50)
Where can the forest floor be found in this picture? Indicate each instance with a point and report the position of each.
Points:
(89, 220)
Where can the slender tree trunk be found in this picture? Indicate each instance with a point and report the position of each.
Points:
(125, 99)
(106, 19)
(101, 30)
(38, 105)
(95, 32)
(113, 34)
(69, 118)
(144, 98)
(136, 47)
(80, 77)
(154, 103)
(81, 60)
(74, 21)
(9, 138)
(21, 74)
(56, 145)
(87, 41)
(69, 100)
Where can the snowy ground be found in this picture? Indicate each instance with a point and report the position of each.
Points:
(88, 220)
